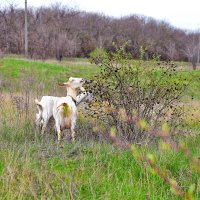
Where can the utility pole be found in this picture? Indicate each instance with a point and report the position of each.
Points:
(26, 30)
(198, 49)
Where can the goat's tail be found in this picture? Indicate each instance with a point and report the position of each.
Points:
(39, 105)
(38, 115)
(64, 109)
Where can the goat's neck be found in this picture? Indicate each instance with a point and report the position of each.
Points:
(72, 92)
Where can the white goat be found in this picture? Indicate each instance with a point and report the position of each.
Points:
(45, 107)
(64, 108)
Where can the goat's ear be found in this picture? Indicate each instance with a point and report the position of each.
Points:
(63, 84)
(71, 79)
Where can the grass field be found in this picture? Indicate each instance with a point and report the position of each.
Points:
(13, 67)
(51, 71)
(33, 166)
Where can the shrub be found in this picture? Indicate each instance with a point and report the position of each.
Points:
(131, 96)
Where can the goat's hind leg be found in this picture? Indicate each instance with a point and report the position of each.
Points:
(73, 135)
(58, 130)
(72, 130)
(44, 124)
(38, 121)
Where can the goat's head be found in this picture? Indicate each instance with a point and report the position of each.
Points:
(74, 83)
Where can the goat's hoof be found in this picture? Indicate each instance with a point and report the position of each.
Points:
(60, 144)
(59, 136)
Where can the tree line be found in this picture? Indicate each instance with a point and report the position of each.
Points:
(58, 31)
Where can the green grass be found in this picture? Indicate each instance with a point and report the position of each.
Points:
(39, 166)
(17, 72)
(11, 68)
(193, 89)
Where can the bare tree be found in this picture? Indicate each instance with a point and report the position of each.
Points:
(59, 31)
(193, 48)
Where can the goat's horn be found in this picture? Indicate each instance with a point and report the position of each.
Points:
(62, 84)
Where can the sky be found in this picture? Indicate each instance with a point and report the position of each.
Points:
(184, 14)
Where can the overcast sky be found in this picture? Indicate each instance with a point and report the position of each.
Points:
(183, 14)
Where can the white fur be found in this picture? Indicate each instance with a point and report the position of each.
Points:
(65, 122)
